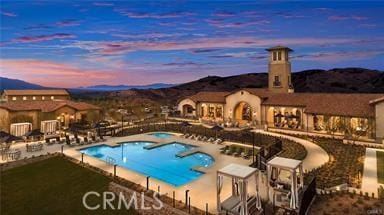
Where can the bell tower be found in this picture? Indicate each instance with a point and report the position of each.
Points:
(279, 70)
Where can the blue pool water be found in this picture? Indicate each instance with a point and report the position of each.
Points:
(161, 135)
(160, 163)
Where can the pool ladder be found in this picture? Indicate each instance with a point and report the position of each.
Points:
(110, 160)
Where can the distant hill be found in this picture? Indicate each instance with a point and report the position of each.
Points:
(344, 80)
(126, 87)
(14, 84)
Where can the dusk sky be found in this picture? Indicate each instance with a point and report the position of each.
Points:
(82, 43)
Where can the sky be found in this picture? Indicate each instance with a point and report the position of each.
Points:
(83, 43)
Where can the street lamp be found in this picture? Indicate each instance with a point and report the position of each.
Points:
(122, 112)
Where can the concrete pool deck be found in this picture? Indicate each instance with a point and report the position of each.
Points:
(202, 190)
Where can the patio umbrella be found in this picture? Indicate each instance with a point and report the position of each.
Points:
(34, 133)
(4, 134)
(11, 138)
(216, 128)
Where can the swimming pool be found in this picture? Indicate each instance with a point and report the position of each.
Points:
(161, 135)
(160, 162)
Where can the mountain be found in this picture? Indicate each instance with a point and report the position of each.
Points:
(126, 87)
(340, 80)
(14, 84)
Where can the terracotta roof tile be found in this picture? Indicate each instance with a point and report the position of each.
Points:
(46, 106)
(215, 97)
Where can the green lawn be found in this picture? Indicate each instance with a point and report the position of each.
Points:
(52, 186)
(380, 166)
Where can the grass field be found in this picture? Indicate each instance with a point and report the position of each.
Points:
(380, 166)
(52, 186)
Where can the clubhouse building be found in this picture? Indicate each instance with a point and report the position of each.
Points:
(278, 107)
(47, 110)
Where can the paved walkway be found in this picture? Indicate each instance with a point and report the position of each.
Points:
(316, 156)
(369, 181)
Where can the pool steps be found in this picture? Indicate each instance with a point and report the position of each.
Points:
(186, 153)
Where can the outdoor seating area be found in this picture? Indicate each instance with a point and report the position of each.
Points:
(202, 138)
(34, 147)
(238, 151)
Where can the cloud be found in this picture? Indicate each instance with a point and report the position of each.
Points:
(53, 74)
(140, 15)
(338, 56)
(183, 64)
(219, 23)
(8, 14)
(103, 4)
(224, 13)
(121, 47)
(31, 39)
(203, 50)
(67, 23)
(343, 18)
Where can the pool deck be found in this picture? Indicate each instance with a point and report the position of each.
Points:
(202, 190)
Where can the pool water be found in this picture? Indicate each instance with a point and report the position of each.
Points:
(160, 162)
(162, 135)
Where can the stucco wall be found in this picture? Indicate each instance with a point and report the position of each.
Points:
(34, 115)
(243, 96)
(380, 120)
(4, 120)
(186, 102)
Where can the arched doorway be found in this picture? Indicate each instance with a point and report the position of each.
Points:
(187, 110)
(242, 112)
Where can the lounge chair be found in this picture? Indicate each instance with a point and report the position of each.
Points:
(224, 149)
(211, 139)
(205, 138)
(248, 154)
(231, 150)
(238, 152)
(218, 141)
(198, 137)
(192, 136)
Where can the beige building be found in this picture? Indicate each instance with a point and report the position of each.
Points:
(47, 105)
(34, 95)
(354, 116)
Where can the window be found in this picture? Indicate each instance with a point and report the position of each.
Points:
(34, 98)
(42, 98)
(274, 56)
(279, 55)
(24, 98)
(14, 98)
(276, 82)
(52, 97)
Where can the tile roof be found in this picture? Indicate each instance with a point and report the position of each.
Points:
(46, 106)
(215, 97)
(328, 104)
(338, 104)
(35, 92)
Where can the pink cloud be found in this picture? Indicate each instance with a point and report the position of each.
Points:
(338, 56)
(31, 39)
(8, 14)
(121, 47)
(53, 74)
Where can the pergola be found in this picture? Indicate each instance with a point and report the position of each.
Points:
(239, 202)
(285, 191)
(49, 126)
(20, 129)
